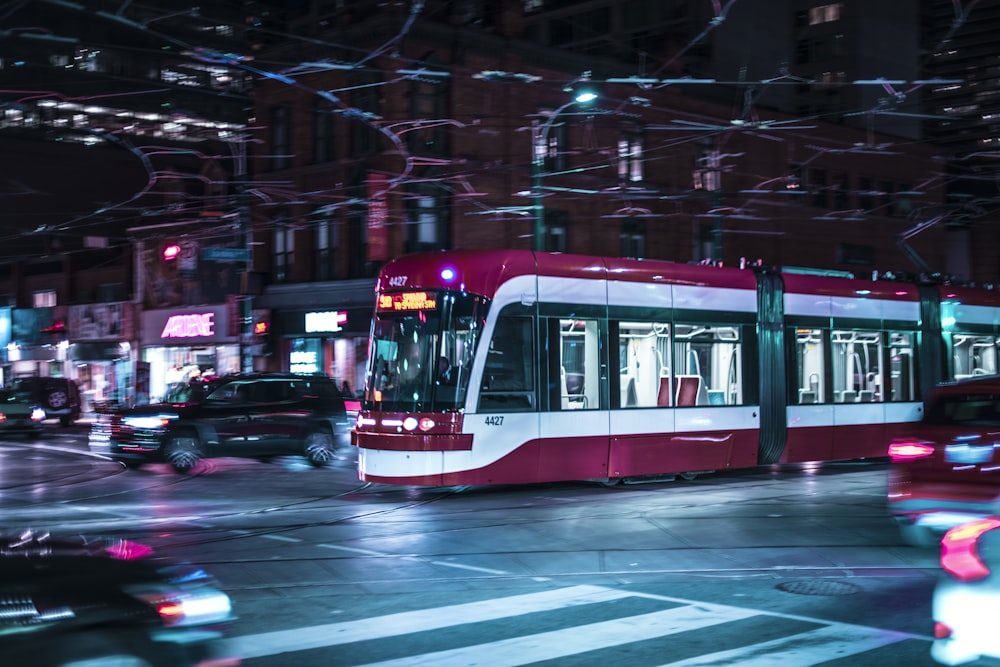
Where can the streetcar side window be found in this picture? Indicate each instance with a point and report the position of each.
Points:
(902, 381)
(973, 355)
(644, 354)
(857, 366)
(509, 376)
(708, 368)
(579, 364)
(810, 367)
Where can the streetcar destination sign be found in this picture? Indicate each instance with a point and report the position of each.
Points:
(407, 301)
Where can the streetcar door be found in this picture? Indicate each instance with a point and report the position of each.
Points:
(574, 422)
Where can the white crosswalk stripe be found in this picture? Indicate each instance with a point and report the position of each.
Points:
(270, 643)
(579, 639)
(801, 648)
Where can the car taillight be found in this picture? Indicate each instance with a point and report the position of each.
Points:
(941, 631)
(907, 450)
(959, 556)
(190, 607)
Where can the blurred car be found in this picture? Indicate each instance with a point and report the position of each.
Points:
(19, 414)
(945, 470)
(193, 390)
(258, 416)
(105, 601)
(967, 595)
(59, 397)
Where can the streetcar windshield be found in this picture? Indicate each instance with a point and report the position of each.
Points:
(421, 350)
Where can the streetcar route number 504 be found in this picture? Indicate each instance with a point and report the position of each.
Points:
(494, 420)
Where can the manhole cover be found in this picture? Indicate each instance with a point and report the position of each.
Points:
(818, 587)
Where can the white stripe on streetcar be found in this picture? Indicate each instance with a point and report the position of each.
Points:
(422, 620)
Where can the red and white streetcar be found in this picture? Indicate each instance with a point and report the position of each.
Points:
(515, 367)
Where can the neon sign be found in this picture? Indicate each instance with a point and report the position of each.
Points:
(194, 325)
(331, 321)
(407, 301)
(303, 362)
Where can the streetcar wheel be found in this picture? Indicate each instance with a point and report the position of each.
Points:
(183, 451)
(688, 476)
(320, 447)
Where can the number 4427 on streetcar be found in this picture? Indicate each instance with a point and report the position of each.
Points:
(513, 367)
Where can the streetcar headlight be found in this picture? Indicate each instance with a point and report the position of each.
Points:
(410, 423)
(426, 424)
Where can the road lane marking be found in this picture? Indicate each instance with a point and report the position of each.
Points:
(281, 538)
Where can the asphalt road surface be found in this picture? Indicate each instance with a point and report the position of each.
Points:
(774, 566)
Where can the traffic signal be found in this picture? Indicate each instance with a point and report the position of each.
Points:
(171, 251)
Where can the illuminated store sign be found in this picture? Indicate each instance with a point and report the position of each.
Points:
(303, 362)
(194, 325)
(330, 321)
(407, 301)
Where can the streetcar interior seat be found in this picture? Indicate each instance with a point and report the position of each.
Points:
(663, 395)
(573, 397)
(631, 396)
(687, 389)
(848, 396)
(806, 396)
(866, 396)
(716, 396)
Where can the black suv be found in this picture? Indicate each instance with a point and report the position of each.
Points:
(258, 416)
(58, 397)
(103, 601)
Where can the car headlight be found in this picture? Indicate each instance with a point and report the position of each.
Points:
(149, 421)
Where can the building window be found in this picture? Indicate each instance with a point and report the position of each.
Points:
(323, 132)
(364, 137)
(556, 228)
(633, 238)
(630, 159)
(550, 142)
(825, 13)
(284, 251)
(425, 224)
(866, 193)
(841, 192)
(427, 101)
(281, 137)
(326, 244)
(819, 186)
(706, 170)
(43, 298)
(903, 204)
